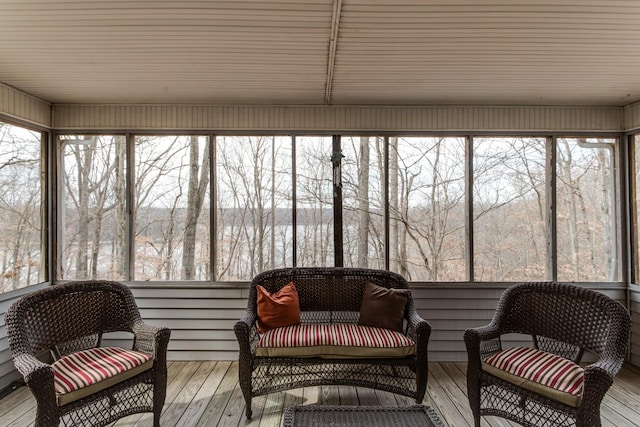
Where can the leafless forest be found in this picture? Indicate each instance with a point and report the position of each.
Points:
(225, 208)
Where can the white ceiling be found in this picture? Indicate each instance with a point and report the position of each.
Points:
(314, 52)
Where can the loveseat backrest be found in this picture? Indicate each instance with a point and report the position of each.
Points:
(566, 313)
(326, 289)
(65, 313)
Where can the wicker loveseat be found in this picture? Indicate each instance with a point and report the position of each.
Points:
(545, 383)
(55, 335)
(330, 297)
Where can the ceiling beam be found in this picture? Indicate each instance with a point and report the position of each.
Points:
(333, 42)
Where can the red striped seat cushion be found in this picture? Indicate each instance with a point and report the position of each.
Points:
(89, 368)
(539, 371)
(334, 341)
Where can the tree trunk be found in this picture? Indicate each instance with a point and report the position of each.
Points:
(608, 229)
(570, 191)
(402, 241)
(95, 245)
(435, 236)
(363, 203)
(121, 212)
(394, 263)
(198, 183)
(84, 160)
(272, 251)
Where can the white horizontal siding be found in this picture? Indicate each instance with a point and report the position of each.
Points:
(20, 105)
(337, 118)
(202, 319)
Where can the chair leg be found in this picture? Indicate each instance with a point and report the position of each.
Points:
(159, 395)
(244, 377)
(248, 408)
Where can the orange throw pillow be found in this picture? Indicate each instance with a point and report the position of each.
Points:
(279, 309)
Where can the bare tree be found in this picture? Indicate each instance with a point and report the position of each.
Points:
(89, 184)
(428, 205)
(314, 199)
(20, 207)
(251, 187)
(363, 203)
(198, 184)
(121, 238)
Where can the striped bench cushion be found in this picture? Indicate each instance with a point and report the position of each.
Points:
(88, 371)
(538, 371)
(334, 341)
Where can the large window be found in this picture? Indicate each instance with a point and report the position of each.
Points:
(432, 208)
(314, 202)
(171, 208)
(509, 209)
(586, 194)
(92, 239)
(20, 207)
(426, 208)
(363, 201)
(254, 199)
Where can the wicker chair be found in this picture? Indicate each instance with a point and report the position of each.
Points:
(564, 320)
(330, 296)
(61, 320)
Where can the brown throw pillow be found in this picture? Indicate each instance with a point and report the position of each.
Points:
(279, 309)
(382, 307)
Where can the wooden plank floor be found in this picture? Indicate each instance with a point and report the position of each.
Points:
(207, 394)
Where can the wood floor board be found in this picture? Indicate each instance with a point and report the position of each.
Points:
(311, 396)
(207, 394)
(330, 395)
(183, 399)
(173, 407)
(348, 395)
(273, 408)
(447, 396)
(366, 397)
(385, 398)
(15, 405)
(234, 412)
(213, 412)
(293, 397)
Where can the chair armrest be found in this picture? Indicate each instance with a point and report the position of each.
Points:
(39, 378)
(422, 330)
(421, 327)
(151, 339)
(32, 369)
(474, 339)
(245, 330)
(249, 318)
(597, 380)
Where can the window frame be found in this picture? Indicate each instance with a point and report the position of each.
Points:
(47, 165)
(469, 137)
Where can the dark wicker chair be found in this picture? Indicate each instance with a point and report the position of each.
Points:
(562, 319)
(66, 318)
(330, 295)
